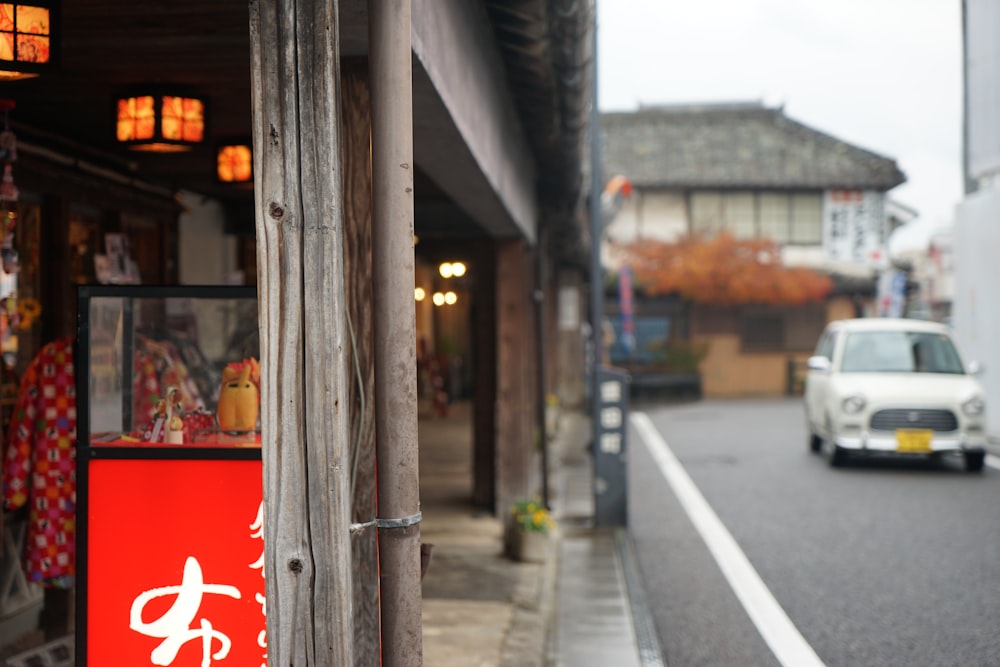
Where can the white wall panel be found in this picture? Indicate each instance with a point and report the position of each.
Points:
(983, 72)
(975, 315)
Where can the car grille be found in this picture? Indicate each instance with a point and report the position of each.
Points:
(936, 420)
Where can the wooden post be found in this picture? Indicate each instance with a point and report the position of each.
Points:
(395, 331)
(361, 386)
(295, 74)
(516, 384)
(541, 386)
(485, 396)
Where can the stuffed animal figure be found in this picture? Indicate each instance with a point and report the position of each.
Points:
(239, 397)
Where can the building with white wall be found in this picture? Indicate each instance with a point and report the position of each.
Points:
(755, 173)
(975, 315)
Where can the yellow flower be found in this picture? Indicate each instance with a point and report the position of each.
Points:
(532, 516)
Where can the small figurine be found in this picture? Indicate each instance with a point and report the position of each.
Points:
(239, 398)
(175, 425)
(167, 415)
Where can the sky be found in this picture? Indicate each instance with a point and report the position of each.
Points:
(884, 75)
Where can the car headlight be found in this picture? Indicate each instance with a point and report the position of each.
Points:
(974, 407)
(852, 405)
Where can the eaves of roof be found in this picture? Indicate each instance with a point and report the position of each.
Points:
(736, 146)
(546, 46)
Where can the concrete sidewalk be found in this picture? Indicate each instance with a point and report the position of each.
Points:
(581, 608)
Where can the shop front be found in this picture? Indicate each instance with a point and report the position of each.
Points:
(102, 204)
(170, 507)
(66, 223)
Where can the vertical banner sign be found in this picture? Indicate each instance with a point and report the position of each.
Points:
(854, 226)
(175, 570)
(891, 293)
(625, 306)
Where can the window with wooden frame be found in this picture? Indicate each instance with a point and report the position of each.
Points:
(781, 216)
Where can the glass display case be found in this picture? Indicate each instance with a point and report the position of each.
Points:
(168, 366)
(169, 476)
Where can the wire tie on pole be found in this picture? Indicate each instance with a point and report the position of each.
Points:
(404, 522)
(358, 527)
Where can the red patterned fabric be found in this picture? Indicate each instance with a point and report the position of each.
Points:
(40, 466)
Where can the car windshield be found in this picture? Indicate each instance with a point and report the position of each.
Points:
(899, 352)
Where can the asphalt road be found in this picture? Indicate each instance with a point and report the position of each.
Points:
(878, 563)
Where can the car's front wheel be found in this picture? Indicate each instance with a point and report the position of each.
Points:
(974, 461)
(815, 442)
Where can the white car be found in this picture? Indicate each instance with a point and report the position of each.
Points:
(882, 385)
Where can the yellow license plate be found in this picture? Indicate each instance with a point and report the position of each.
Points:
(914, 440)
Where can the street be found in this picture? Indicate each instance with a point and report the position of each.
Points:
(877, 563)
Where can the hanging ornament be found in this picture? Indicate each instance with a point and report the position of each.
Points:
(28, 311)
(8, 255)
(8, 146)
(8, 191)
(8, 197)
(8, 306)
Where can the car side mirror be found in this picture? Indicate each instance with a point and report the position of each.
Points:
(819, 363)
(975, 368)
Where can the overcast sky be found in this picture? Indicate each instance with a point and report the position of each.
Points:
(885, 75)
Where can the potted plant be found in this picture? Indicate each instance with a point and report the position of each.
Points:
(529, 531)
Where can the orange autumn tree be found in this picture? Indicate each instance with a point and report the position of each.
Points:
(722, 270)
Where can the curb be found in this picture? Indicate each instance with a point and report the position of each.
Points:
(650, 651)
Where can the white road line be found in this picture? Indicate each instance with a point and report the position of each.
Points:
(781, 635)
(993, 461)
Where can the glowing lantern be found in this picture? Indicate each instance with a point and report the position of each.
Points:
(161, 123)
(27, 39)
(234, 163)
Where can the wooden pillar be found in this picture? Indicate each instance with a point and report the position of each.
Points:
(516, 381)
(485, 381)
(295, 75)
(361, 386)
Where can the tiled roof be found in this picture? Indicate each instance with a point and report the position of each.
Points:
(735, 146)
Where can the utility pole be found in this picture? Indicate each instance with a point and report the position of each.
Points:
(596, 231)
(609, 387)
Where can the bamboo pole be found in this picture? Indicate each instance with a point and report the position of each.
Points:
(395, 331)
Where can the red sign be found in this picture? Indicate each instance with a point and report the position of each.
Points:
(175, 559)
